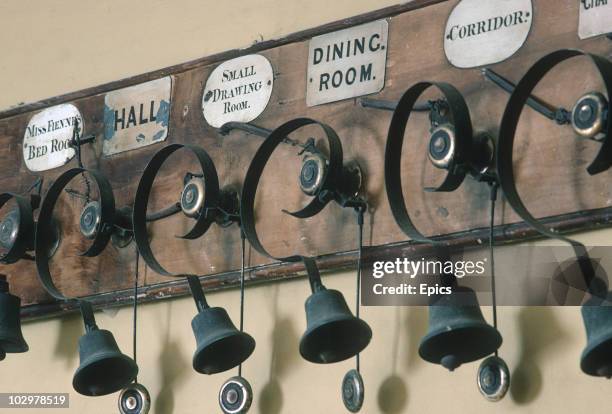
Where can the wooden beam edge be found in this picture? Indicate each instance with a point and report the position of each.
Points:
(503, 234)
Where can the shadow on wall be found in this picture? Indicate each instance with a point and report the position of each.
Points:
(173, 366)
(70, 330)
(539, 331)
(393, 393)
(284, 354)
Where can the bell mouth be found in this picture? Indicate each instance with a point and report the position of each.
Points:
(597, 358)
(224, 353)
(335, 341)
(107, 374)
(14, 346)
(459, 345)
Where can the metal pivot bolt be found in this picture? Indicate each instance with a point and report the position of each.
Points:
(313, 171)
(89, 221)
(192, 197)
(442, 146)
(589, 115)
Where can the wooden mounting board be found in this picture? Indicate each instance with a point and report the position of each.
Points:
(550, 161)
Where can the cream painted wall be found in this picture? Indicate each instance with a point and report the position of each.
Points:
(55, 47)
(542, 347)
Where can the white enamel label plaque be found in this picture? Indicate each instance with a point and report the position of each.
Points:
(46, 141)
(595, 18)
(237, 90)
(480, 33)
(136, 116)
(347, 63)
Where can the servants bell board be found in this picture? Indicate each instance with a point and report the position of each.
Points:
(323, 74)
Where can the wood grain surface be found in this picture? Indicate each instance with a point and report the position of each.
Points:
(550, 161)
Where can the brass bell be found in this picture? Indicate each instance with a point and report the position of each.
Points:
(103, 369)
(11, 338)
(589, 115)
(596, 358)
(333, 334)
(220, 346)
(458, 333)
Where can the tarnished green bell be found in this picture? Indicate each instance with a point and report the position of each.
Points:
(333, 334)
(220, 346)
(103, 368)
(11, 338)
(597, 355)
(458, 333)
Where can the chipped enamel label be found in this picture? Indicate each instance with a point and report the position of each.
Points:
(238, 90)
(347, 63)
(137, 116)
(595, 18)
(480, 33)
(46, 141)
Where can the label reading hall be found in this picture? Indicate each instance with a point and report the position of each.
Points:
(237, 90)
(347, 63)
(595, 18)
(480, 33)
(46, 141)
(136, 116)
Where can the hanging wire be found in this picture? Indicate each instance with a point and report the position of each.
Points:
(360, 211)
(135, 312)
(491, 253)
(242, 264)
(76, 138)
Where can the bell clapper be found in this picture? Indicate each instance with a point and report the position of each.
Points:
(353, 391)
(493, 378)
(236, 394)
(135, 398)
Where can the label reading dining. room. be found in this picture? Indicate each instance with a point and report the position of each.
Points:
(347, 63)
